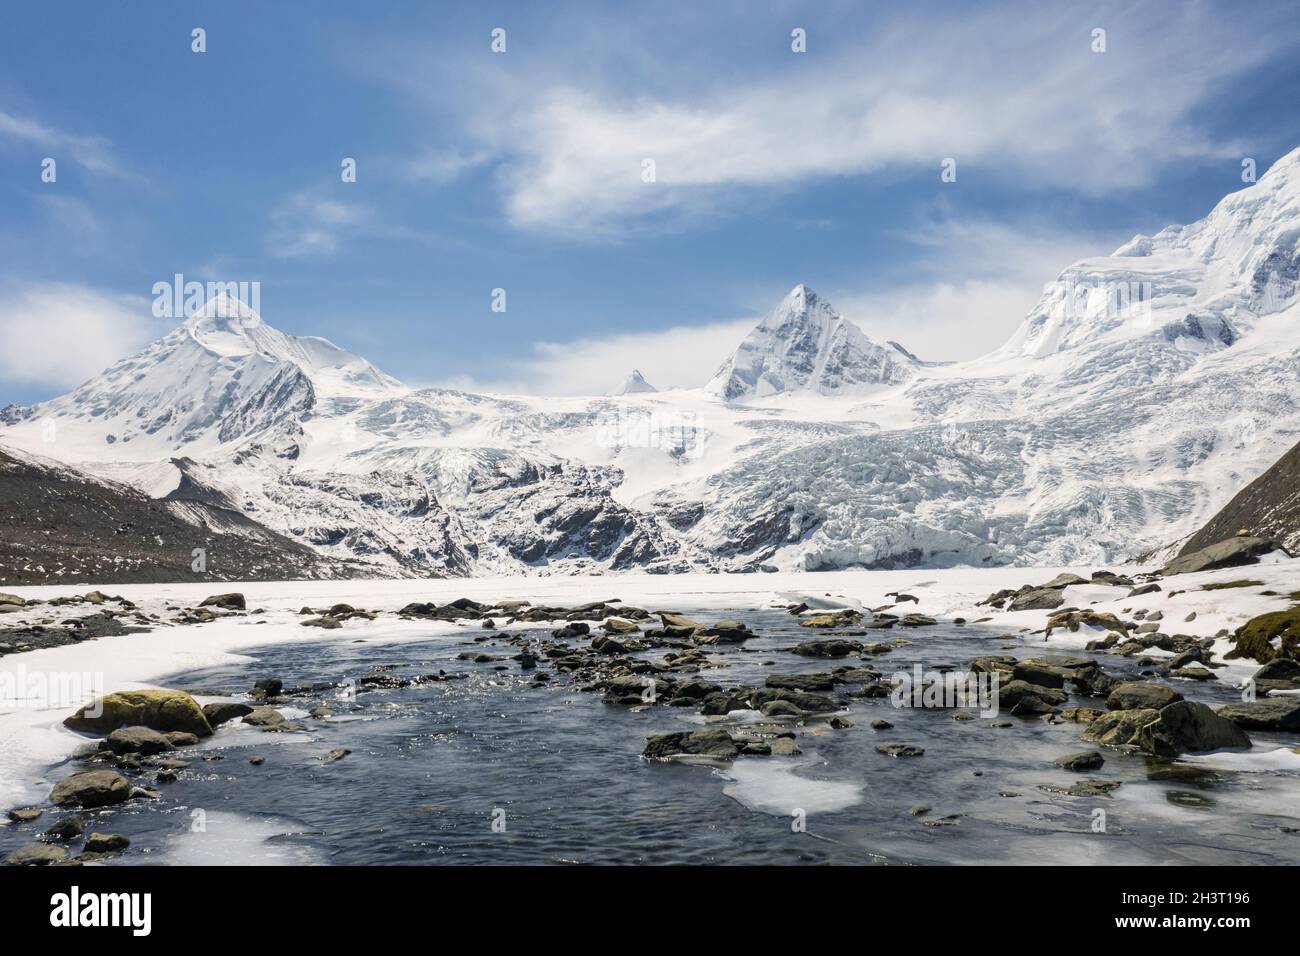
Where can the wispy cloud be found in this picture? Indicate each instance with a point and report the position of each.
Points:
(437, 165)
(92, 152)
(970, 283)
(314, 223)
(1017, 93)
(681, 357)
(309, 224)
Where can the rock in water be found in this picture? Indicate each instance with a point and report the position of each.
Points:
(161, 710)
(37, 854)
(1140, 696)
(1088, 760)
(92, 788)
(900, 750)
(68, 828)
(106, 843)
(706, 743)
(141, 740)
(225, 710)
(1181, 727)
(264, 717)
(1189, 727)
(1272, 713)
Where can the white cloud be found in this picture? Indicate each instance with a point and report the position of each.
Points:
(315, 223)
(683, 357)
(972, 284)
(309, 224)
(1011, 94)
(92, 152)
(443, 165)
(60, 335)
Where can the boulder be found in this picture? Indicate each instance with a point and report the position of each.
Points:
(671, 619)
(69, 827)
(141, 740)
(1181, 727)
(1272, 713)
(1088, 760)
(704, 743)
(831, 648)
(1038, 599)
(1064, 580)
(1073, 620)
(843, 618)
(106, 843)
(1279, 669)
(161, 710)
(263, 717)
(1189, 727)
(37, 854)
(1225, 554)
(917, 620)
(91, 788)
(900, 750)
(1036, 672)
(265, 687)
(1137, 695)
(1013, 692)
(784, 747)
(806, 702)
(224, 711)
(725, 632)
(816, 683)
(229, 602)
(1268, 637)
(1119, 728)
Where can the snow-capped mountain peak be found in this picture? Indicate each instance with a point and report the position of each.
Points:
(634, 384)
(1187, 288)
(805, 345)
(220, 376)
(227, 327)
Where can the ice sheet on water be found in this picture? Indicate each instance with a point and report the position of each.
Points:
(776, 786)
(229, 839)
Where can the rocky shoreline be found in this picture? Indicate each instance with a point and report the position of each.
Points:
(635, 658)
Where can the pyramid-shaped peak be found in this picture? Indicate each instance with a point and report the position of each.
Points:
(634, 384)
(805, 345)
(224, 308)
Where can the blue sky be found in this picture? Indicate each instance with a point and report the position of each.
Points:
(522, 170)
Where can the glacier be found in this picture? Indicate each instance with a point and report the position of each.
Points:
(1141, 392)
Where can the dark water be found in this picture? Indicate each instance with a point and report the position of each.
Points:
(433, 766)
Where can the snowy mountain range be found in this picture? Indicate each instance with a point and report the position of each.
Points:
(1140, 394)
